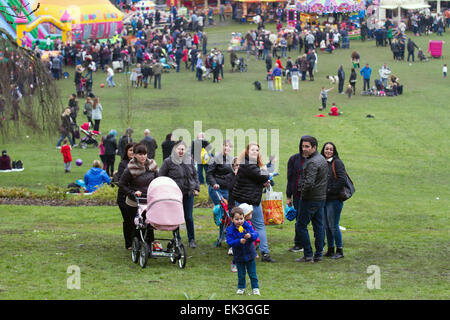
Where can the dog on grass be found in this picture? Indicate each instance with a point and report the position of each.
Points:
(257, 85)
(333, 79)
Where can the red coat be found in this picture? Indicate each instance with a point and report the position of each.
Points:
(195, 39)
(65, 150)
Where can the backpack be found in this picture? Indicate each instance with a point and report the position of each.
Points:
(205, 156)
(349, 188)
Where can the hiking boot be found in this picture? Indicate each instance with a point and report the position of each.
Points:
(329, 253)
(295, 249)
(305, 259)
(339, 254)
(266, 258)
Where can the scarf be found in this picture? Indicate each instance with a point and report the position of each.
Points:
(136, 169)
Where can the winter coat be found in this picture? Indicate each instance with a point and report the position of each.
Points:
(315, 178)
(220, 171)
(184, 174)
(242, 252)
(366, 72)
(151, 145)
(249, 184)
(335, 186)
(110, 144)
(137, 177)
(97, 112)
(94, 178)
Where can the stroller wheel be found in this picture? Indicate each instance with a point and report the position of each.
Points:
(171, 249)
(143, 256)
(135, 250)
(181, 256)
(95, 144)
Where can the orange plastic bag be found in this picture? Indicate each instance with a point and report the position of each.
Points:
(272, 206)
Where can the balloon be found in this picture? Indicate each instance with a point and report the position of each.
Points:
(79, 162)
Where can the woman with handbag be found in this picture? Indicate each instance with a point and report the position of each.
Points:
(334, 203)
(180, 168)
(252, 177)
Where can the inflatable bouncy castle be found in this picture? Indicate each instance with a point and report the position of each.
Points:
(97, 19)
(70, 20)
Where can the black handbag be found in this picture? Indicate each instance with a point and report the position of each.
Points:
(349, 187)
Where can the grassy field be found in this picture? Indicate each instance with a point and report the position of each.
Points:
(397, 219)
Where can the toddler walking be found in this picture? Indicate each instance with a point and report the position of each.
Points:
(67, 157)
(270, 80)
(240, 236)
(444, 70)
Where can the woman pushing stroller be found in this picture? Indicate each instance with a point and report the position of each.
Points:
(134, 182)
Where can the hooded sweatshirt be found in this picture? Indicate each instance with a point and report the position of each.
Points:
(94, 178)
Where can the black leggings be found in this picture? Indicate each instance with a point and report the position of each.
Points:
(131, 214)
(109, 160)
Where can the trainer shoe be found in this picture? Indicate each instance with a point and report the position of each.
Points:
(295, 249)
(317, 258)
(305, 259)
(240, 291)
(266, 258)
(192, 244)
(256, 292)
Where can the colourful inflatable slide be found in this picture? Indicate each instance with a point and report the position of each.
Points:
(15, 8)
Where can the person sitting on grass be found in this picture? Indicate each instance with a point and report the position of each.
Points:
(334, 110)
(96, 177)
(5, 161)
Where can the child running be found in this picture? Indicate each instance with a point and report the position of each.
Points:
(324, 96)
(240, 236)
(67, 157)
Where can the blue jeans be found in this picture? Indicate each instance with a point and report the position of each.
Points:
(311, 211)
(200, 168)
(384, 82)
(110, 81)
(332, 215)
(250, 268)
(258, 224)
(188, 208)
(366, 84)
(61, 138)
(213, 196)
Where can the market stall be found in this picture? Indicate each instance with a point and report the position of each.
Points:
(247, 9)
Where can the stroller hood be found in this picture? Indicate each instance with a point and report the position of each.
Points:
(164, 204)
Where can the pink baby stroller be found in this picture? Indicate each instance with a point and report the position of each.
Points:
(163, 211)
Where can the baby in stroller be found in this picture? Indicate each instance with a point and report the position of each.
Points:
(90, 136)
(162, 211)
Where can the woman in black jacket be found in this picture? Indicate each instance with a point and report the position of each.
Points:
(252, 177)
(180, 168)
(135, 180)
(128, 221)
(220, 173)
(333, 205)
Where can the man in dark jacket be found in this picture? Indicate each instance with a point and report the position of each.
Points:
(110, 144)
(313, 196)
(150, 143)
(411, 46)
(293, 189)
(269, 62)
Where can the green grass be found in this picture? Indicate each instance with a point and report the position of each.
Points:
(398, 161)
